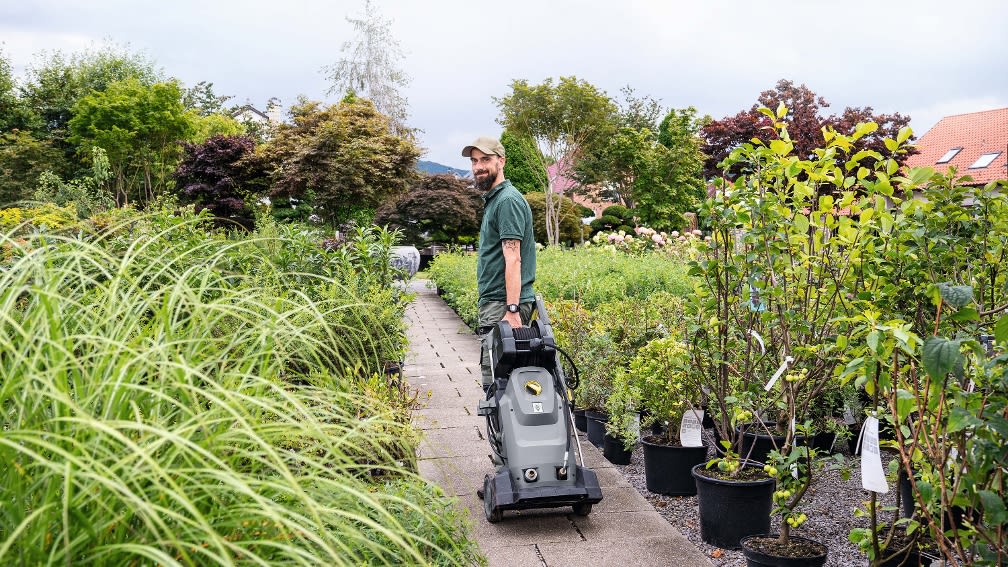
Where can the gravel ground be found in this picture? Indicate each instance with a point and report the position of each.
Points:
(829, 504)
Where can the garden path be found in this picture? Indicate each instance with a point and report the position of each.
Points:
(624, 529)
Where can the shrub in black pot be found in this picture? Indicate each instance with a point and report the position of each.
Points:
(734, 501)
(580, 421)
(658, 383)
(596, 426)
(767, 551)
(614, 451)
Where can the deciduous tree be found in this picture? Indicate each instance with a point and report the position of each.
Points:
(370, 67)
(572, 230)
(223, 175)
(805, 121)
(654, 169)
(58, 81)
(340, 158)
(563, 120)
(202, 99)
(23, 157)
(140, 127)
(14, 113)
(437, 209)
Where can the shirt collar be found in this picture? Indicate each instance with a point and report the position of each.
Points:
(497, 189)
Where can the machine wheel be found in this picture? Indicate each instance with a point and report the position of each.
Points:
(582, 508)
(493, 513)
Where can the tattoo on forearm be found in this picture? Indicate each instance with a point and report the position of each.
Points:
(512, 244)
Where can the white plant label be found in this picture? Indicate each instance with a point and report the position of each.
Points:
(794, 467)
(783, 366)
(691, 429)
(759, 339)
(872, 474)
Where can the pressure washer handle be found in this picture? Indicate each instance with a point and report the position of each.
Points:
(541, 310)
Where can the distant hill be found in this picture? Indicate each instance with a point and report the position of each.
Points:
(434, 168)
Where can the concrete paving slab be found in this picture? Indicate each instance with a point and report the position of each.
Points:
(448, 418)
(515, 556)
(458, 476)
(621, 553)
(441, 418)
(619, 525)
(454, 442)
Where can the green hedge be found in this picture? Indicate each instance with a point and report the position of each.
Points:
(589, 276)
(605, 305)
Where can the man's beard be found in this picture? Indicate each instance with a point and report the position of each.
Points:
(486, 183)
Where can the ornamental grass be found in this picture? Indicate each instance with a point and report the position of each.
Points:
(162, 404)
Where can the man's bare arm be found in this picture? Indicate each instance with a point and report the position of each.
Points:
(512, 276)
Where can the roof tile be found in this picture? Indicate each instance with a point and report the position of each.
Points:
(976, 133)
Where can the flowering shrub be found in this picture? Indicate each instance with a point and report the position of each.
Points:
(646, 239)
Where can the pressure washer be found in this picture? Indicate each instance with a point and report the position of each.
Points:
(530, 427)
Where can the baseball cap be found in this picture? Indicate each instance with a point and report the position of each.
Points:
(485, 144)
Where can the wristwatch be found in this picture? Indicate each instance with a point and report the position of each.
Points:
(512, 307)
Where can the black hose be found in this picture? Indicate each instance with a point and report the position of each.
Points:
(572, 384)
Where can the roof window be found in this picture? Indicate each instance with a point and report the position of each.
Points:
(984, 160)
(949, 155)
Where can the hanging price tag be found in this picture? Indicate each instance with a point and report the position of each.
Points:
(773, 379)
(691, 429)
(872, 474)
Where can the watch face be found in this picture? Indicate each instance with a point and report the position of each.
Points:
(512, 308)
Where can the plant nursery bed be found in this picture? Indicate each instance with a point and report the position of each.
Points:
(829, 505)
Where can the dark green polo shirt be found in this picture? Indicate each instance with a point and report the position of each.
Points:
(506, 216)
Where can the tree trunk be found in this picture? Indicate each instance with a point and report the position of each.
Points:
(551, 236)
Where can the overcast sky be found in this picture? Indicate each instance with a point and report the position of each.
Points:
(923, 58)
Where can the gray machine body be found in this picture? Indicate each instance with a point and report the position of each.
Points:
(530, 426)
(534, 433)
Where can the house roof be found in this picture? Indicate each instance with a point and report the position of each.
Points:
(249, 109)
(562, 184)
(976, 133)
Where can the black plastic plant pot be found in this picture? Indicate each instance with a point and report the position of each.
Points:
(754, 436)
(732, 509)
(596, 426)
(668, 468)
(824, 441)
(580, 421)
(814, 553)
(614, 451)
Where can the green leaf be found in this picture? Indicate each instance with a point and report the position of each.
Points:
(905, 402)
(967, 313)
(801, 224)
(873, 341)
(995, 512)
(956, 295)
(941, 356)
(904, 134)
(780, 147)
(826, 203)
(864, 128)
(1001, 329)
(919, 175)
(960, 419)
(890, 144)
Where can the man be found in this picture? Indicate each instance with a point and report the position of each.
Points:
(506, 264)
